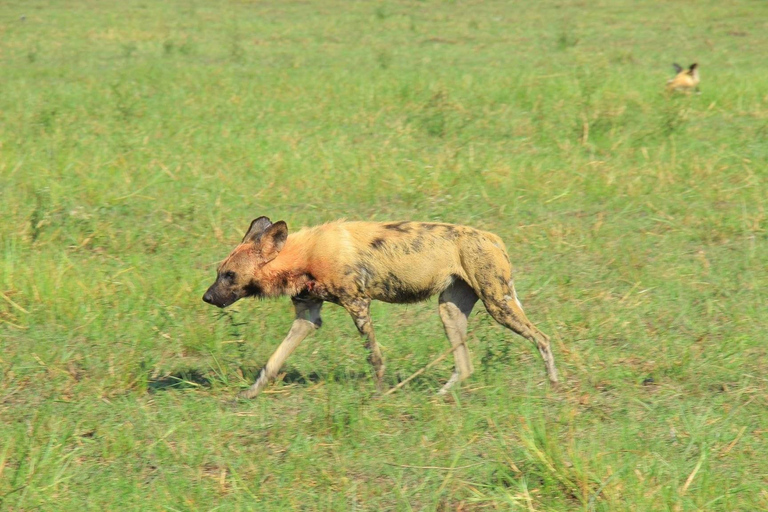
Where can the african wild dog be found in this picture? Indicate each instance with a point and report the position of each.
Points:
(685, 79)
(352, 263)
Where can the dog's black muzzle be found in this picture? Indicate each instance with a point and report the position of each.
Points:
(211, 297)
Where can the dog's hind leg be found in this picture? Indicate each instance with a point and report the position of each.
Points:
(504, 307)
(307, 320)
(456, 303)
(360, 311)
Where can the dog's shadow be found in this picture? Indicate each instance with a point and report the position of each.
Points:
(188, 378)
(294, 376)
(195, 378)
(192, 378)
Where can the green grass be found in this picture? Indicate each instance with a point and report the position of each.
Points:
(138, 139)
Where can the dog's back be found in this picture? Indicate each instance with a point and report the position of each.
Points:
(403, 262)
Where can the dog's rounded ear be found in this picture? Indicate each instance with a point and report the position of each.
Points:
(273, 240)
(258, 226)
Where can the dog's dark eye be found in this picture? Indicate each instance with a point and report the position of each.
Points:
(229, 275)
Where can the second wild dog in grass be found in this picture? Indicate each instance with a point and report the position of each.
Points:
(353, 263)
(685, 80)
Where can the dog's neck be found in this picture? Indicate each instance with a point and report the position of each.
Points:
(289, 272)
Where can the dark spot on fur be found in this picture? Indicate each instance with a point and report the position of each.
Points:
(342, 296)
(320, 292)
(451, 233)
(303, 296)
(281, 280)
(377, 243)
(400, 227)
(485, 281)
(364, 274)
(417, 244)
(409, 295)
(329, 297)
(253, 289)
(392, 289)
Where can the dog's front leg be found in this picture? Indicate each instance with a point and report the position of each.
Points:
(307, 320)
(360, 310)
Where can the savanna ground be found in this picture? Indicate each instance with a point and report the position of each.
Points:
(139, 138)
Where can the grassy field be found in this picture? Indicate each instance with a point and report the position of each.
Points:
(138, 139)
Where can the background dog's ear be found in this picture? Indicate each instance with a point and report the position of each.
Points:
(693, 67)
(678, 67)
(273, 240)
(258, 226)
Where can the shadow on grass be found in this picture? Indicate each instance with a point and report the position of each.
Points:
(294, 376)
(181, 379)
(192, 378)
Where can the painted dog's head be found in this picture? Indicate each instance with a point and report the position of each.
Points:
(240, 275)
